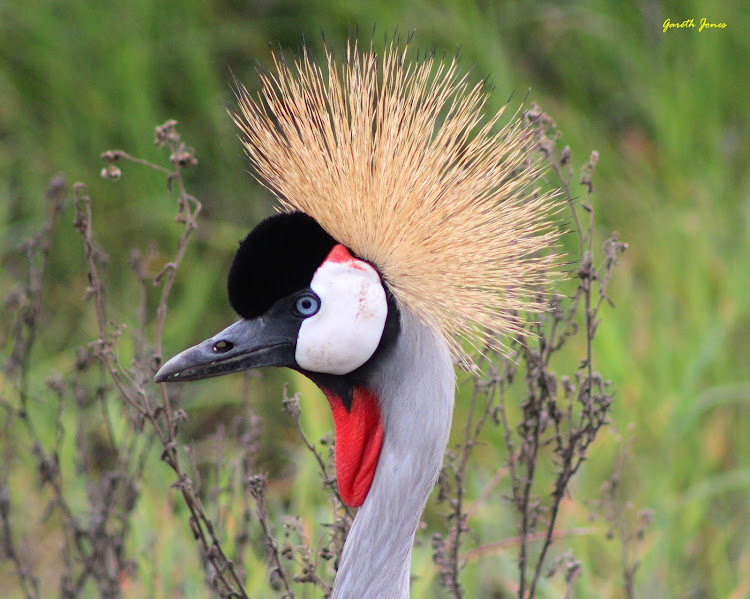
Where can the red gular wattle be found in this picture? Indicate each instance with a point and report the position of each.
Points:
(359, 438)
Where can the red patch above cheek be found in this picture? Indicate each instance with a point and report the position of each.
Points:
(359, 437)
(340, 255)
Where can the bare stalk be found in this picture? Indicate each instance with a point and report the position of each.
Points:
(558, 413)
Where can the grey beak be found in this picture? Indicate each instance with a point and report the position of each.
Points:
(245, 344)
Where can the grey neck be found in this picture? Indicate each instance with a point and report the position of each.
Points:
(416, 387)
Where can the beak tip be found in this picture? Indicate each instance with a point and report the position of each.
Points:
(169, 371)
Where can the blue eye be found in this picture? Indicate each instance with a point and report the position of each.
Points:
(307, 304)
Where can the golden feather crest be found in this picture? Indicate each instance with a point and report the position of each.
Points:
(397, 161)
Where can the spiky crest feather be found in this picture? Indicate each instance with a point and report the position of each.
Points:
(396, 160)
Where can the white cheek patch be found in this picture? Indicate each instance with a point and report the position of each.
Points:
(346, 331)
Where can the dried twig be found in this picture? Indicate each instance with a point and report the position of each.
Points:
(553, 414)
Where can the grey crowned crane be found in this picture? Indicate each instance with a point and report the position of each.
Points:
(408, 221)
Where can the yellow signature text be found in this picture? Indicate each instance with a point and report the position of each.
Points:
(690, 23)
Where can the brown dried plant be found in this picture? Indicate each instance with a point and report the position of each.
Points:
(559, 417)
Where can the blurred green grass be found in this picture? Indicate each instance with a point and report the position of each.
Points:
(668, 113)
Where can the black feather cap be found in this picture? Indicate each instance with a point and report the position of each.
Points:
(278, 257)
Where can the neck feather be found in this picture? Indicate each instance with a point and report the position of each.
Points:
(416, 386)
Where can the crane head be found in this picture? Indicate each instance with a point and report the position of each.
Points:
(305, 302)
(404, 204)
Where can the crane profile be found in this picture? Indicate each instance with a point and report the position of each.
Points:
(408, 221)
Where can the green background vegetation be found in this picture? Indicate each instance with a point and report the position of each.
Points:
(668, 113)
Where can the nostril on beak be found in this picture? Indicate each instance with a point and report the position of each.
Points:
(221, 347)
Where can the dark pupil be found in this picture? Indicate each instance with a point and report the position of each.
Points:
(306, 304)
